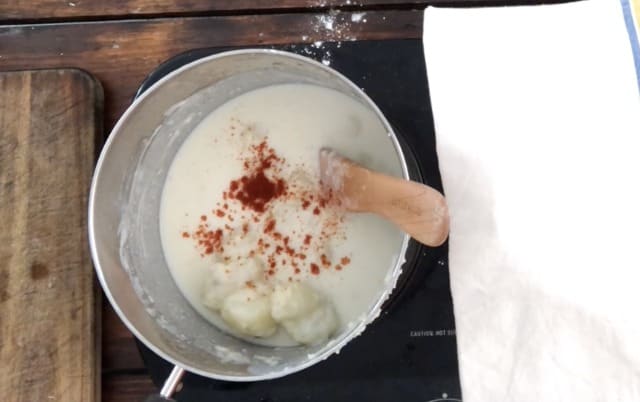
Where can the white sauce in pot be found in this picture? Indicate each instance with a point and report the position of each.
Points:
(287, 235)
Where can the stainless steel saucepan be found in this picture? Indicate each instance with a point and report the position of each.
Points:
(123, 217)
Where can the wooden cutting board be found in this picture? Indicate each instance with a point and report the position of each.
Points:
(50, 121)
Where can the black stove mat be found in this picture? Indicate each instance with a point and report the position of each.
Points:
(409, 353)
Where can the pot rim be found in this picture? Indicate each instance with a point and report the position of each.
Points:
(353, 332)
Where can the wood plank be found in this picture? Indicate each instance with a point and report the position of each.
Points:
(78, 9)
(48, 298)
(119, 350)
(121, 53)
(16, 10)
(127, 387)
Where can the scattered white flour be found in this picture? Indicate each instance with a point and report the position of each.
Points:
(357, 17)
(324, 3)
(327, 21)
(333, 26)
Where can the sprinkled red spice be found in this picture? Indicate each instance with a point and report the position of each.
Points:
(255, 189)
(270, 225)
(248, 198)
(258, 190)
(209, 240)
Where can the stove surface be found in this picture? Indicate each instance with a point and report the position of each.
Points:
(409, 353)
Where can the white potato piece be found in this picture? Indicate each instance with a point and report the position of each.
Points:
(315, 327)
(293, 300)
(248, 311)
(224, 279)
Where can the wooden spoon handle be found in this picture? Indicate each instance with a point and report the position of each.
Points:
(419, 210)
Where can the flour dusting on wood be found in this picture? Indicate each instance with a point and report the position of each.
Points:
(334, 26)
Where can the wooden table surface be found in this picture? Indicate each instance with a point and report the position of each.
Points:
(121, 41)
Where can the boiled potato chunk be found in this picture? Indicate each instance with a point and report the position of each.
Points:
(314, 327)
(293, 300)
(223, 279)
(248, 311)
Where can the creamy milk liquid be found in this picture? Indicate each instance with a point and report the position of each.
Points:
(296, 121)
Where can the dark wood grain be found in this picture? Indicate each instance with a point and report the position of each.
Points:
(119, 351)
(52, 10)
(121, 53)
(49, 314)
(126, 387)
(77, 9)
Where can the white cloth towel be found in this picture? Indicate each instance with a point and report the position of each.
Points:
(537, 115)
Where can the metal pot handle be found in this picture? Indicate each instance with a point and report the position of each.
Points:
(158, 398)
(169, 387)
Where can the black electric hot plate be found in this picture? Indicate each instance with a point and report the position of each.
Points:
(409, 353)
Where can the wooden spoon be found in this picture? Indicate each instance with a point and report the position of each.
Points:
(418, 209)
